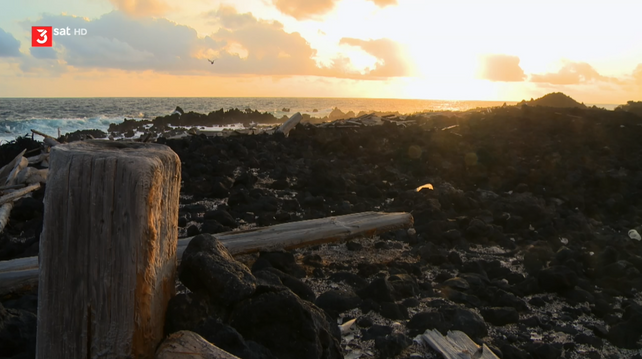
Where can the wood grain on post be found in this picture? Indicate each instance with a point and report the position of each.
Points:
(107, 249)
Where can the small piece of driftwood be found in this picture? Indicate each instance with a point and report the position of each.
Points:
(5, 211)
(49, 140)
(10, 168)
(290, 123)
(455, 345)
(38, 158)
(12, 196)
(189, 345)
(30, 175)
(42, 134)
(287, 236)
(12, 178)
(13, 186)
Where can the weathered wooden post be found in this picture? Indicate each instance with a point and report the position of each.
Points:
(107, 249)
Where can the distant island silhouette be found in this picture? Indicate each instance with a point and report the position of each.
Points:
(554, 99)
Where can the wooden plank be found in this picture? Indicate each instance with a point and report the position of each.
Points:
(287, 236)
(290, 123)
(455, 345)
(189, 345)
(107, 250)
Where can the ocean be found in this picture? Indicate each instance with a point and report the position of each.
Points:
(19, 115)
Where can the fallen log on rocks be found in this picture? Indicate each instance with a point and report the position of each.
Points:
(455, 345)
(290, 124)
(287, 236)
(311, 232)
(189, 345)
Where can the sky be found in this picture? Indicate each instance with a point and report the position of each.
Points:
(420, 49)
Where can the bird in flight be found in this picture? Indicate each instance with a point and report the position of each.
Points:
(212, 61)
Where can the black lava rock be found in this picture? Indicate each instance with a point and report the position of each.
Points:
(375, 331)
(207, 267)
(221, 216)
(500, 316)
(290, 327)
(557, 278)
(228, 339)
(391, 345)
(350, 278)
(297, 286)
(185, 311)
(379, 290)
(338, 301)
(393, 311)
(281, 260)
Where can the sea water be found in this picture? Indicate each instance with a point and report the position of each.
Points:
(18, 116)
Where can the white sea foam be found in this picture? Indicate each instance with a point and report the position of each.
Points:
(12, 129)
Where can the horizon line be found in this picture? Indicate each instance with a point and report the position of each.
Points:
(289, 97)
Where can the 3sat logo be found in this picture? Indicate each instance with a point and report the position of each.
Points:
(41, 36)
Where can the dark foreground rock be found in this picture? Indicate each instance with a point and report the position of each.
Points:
(17, 333)
(290, 327)
(207, 267)
(231, 308)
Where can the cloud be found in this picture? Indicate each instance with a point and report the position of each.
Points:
(9, 46)
(304, 9)
(637, 74)
(260, 47)
(117, 41)
(390, 55)
(243, 45)
(501, 68)
(43, 52)
(571, 73)
(141, 7)
(384, 3)
(313, 9)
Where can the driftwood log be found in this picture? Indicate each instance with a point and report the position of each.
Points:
(189, 345)
(290, 123)
(107, 250)
(21, 273)
(11, 168)
(5, 210)
(12, 196)
(455, 345)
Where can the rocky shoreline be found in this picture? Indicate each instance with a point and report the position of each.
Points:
(522, 243)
